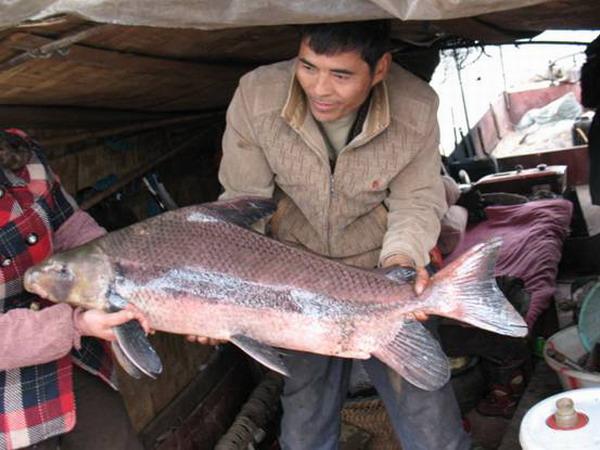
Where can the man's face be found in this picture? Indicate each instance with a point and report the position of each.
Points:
(336, 85)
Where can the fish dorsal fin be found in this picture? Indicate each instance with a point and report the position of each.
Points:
(416, 356)
(242, 211)
(262, 353)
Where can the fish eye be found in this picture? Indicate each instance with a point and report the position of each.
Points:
(64, 269)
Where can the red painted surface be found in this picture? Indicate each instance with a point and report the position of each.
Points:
(524, 182)
(575, 158)
(492, 127)
(506, 111)
(521, 102)
(582, 421)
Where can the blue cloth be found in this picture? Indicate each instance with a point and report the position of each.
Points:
(314, 394)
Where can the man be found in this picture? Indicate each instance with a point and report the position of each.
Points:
(45, 348)
(348, 145)
(590, 98)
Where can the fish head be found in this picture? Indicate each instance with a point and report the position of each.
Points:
(80, 277)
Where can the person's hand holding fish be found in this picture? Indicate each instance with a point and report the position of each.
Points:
(100, 324)
(421, 279)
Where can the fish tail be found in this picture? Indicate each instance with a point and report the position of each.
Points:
(466, 290)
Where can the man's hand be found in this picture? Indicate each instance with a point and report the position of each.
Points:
(205, 340)
(421, 278)
(99, 324)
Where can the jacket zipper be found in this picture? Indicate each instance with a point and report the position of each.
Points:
(329, 197)
(331, 194)
(331, 191)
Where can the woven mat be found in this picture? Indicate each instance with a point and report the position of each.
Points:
(370, 415)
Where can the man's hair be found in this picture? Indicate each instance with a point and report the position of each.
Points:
(370, 38)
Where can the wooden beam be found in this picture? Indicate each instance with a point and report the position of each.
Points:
(133, 63)
(50, 47)
(478, 30)
(216, 386)
(213, 415)
(69, 117)
(128, 129)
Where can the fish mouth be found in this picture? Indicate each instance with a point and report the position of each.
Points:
(49, 282)
(31, 284)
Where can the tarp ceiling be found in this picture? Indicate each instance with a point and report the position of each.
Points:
(166, 57)
(210, 14)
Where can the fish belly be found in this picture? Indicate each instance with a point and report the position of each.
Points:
(294, 331)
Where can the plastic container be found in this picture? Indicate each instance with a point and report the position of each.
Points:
(536, 432)
(568, 343)
(589, 319)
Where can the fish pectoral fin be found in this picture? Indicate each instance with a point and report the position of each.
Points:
(264, 354)
(242, 211)
(136, 349)
(124, 362)
(416, 356)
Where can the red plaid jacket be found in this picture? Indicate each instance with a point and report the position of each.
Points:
(36, 402)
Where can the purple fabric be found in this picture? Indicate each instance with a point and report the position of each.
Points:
(533, 235)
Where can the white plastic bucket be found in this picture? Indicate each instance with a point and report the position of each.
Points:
(567, 342)
(536, 434)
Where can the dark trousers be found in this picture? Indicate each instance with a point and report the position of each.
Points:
(102, 420)
(314, 394)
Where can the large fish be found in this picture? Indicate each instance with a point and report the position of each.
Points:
(201, 270)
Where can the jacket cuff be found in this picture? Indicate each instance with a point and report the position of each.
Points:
(398, 259)
(418, 259)
(77, 312)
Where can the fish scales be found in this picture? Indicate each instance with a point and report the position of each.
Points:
(232, 255)
(218, 272)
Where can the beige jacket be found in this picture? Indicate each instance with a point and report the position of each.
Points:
(385, 196)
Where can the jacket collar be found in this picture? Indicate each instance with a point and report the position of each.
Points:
(296, 114)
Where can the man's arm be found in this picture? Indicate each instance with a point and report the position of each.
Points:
(416, 204)
(244, 169)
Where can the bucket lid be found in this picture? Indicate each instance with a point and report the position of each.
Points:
(589, 318)
(537, 433)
